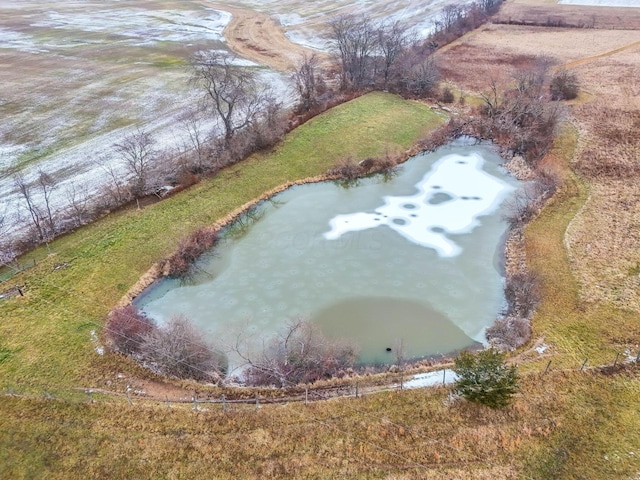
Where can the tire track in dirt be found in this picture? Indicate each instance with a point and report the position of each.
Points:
(575, 63)
(259, 37)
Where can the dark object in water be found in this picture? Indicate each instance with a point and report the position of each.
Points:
(388, 349)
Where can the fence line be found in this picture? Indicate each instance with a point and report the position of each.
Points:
(307, 396)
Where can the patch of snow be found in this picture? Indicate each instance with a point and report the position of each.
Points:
(9, 153)
(100, 350)
(10, 39)
(450, 199)
(430, 379)
(541, 348)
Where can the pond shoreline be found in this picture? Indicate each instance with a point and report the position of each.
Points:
(508, 244)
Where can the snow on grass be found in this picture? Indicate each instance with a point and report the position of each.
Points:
(306, 27)
(151, 26)
(10, 39)
(9, 153)
(431, 379)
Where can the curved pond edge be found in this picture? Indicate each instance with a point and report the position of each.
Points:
(509, 244)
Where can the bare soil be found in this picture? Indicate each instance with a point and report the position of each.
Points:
(259, 37)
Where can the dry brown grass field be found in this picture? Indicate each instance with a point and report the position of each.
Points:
(549, 12)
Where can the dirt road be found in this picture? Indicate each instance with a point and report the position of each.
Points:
(259, 37)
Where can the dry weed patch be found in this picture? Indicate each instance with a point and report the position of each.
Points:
(551, 13)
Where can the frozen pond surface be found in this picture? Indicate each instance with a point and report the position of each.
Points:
(434, 288)
(451, 197)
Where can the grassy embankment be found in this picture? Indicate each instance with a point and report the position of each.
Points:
(46, 335)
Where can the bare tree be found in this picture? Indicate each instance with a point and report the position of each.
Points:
(305, 77)
(198, 140)
(126, 328)
(178, 349)
(4, 221)
(564, 85)
(400, 353)
(489, 6)
(508, 333)
(47, 184)
(354, 40)
(451, 14)
(530, 80)
(35, 213)
(393, 39)
(118, 189)
(491, 98)
(523, 118)
(423, 77)
(300, 354)
(137, 152)
(231, 91)
(78, 201)
(6, 251)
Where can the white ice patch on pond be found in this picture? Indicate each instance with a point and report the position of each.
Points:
(450, 199)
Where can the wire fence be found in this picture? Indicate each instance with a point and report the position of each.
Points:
(242, 397)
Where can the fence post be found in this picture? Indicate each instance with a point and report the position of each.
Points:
(444, 376)
(401, 382)
(129, 398)
(257, 402)
(168, 404)
(306, 395)
(195, 403)
(224, 403)
(547, 369)
(638, 357)
(357, 385)
(615, 362)
(583, 364)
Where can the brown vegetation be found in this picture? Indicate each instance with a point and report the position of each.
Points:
(126, 329)
(177, 349)
(302, 354)
(180, 263)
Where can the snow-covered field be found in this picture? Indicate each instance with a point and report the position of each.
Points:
(78, 76)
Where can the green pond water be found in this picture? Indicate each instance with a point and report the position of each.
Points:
(412, 260)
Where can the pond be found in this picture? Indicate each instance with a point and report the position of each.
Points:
(413, 260)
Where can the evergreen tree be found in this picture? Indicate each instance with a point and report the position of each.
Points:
(485, 378)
